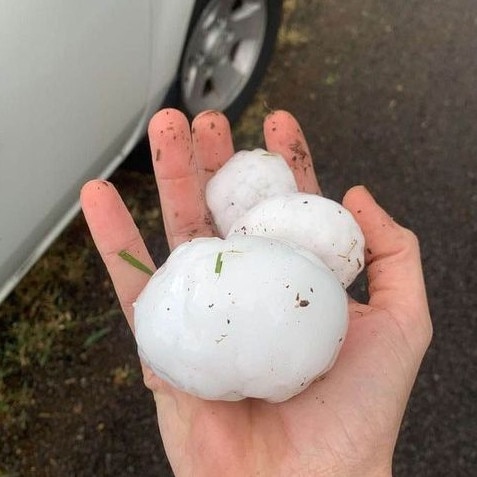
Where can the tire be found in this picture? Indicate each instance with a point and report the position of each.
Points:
(228, 48)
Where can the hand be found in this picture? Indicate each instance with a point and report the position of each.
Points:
(345, 424)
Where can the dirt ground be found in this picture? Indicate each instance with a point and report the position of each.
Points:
(385, 92)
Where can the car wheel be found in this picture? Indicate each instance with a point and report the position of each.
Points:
(229, 45)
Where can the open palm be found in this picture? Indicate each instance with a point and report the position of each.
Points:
(345, 424)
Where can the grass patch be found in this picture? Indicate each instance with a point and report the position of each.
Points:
(65, 307)
(40, 317)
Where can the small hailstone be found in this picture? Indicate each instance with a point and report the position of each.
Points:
(321, 225)
(242, 317)
(246, 179)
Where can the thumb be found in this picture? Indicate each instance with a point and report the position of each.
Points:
(396, 282)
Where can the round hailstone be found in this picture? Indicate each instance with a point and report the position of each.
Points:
(243, 317)
(321, 225)
(247, 178)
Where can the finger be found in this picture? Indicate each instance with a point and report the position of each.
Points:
(212, 142)
(182, 199)
(283, 134)
(392, 255)
(113, 231)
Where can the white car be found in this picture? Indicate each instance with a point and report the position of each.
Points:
(79, 81)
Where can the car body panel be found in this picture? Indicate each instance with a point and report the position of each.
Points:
(106, 67)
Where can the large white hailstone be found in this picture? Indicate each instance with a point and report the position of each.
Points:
(242, 317)
(321, 225)
(247, 178)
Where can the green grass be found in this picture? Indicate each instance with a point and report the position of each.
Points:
(39, 317)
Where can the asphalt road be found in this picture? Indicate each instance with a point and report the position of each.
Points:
(386, 93)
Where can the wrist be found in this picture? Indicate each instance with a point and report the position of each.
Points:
(363, 469)
(374, 470)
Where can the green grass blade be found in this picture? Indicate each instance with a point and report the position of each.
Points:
(125, 255)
